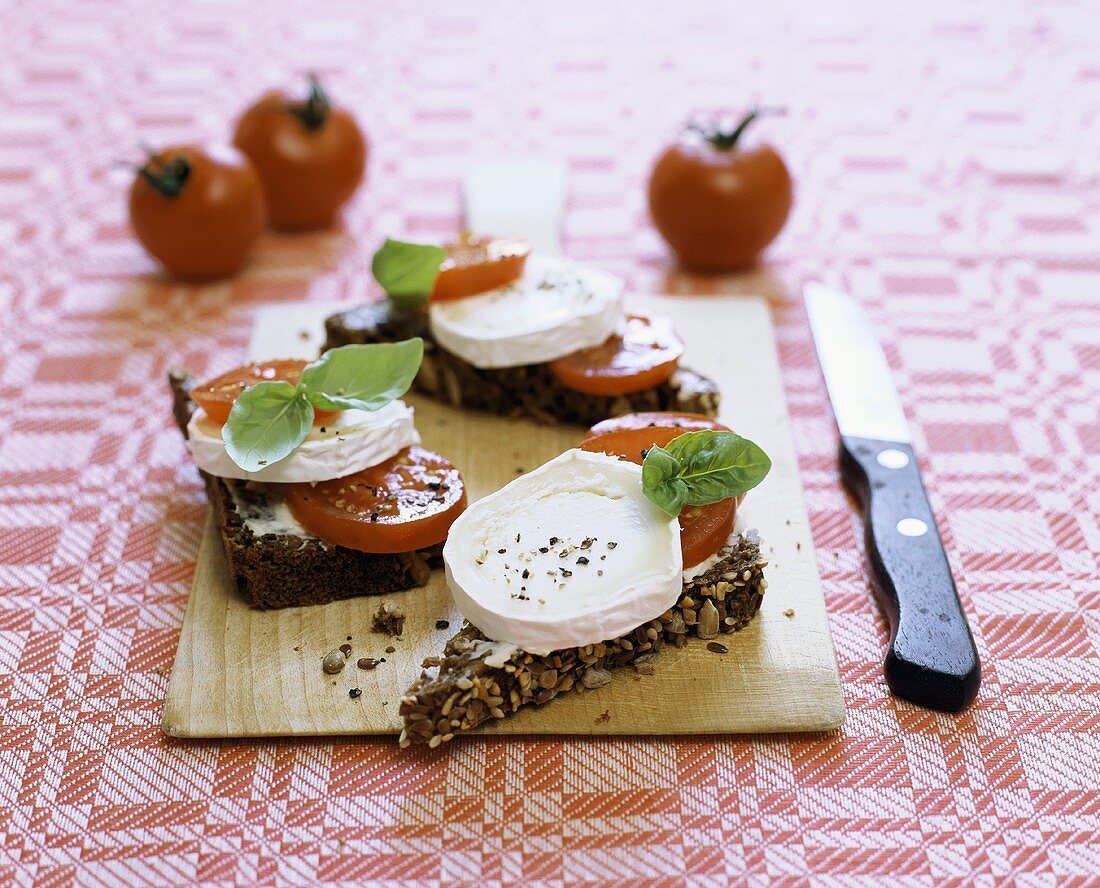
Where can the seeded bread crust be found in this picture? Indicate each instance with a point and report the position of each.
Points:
(529, 391)
(274, 570)
(466, 691)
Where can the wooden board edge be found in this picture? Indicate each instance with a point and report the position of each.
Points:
(174, 721)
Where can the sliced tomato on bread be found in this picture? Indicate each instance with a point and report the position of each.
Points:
(476, 264)
(216, 396)
(687, 422)
(407, 502)
(703, 529)
(643, 355)
(630, 436)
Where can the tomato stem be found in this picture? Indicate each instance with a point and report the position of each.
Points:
(724, 139)
(313, 112)
(166, 177)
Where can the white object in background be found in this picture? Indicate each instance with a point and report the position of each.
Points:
(521, 196)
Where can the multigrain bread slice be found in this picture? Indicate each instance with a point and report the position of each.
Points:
(466, 690)
(286, 566)
(530, 391)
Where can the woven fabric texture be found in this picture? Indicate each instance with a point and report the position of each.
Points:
(947, 176)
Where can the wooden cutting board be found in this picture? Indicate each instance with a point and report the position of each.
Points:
(245, 673)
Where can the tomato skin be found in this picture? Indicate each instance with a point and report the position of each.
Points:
(629, 436)
(208, 229)
(307, 174)
(686, 422)
(216, 396)
(477, 263)
(703, 529)
(410, 513)
(644, 356)
(631, 444)
(718, 209)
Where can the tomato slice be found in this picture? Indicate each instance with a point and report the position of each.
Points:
(407, 502)
(631, 435)
(643, 356)
(475, 264)
(687, 422)
(216, 396)
(703, 529)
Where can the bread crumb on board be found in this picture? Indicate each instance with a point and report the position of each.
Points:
(389, 619)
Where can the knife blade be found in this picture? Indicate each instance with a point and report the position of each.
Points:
(931, 658)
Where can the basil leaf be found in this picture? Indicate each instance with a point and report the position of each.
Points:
(363, 377)
(660, 482)
(659, 466)
(702, 467)
(407, 272)
(718, 465)
(267, 422)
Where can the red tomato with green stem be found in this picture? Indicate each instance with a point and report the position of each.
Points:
(310, 155)
(717, 203)
(198, 212)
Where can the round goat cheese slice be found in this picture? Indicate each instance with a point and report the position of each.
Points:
(554, 309)
(352, 440)
(570, 554)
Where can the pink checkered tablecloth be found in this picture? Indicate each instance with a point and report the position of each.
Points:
(947, 157)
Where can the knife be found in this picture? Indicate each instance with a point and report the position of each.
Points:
(931, 659)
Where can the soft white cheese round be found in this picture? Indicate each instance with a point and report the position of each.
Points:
(622, 564)
(349, 442)
(555, 308)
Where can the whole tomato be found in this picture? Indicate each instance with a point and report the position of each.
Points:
(716, 204)
(198, 212)
(310, 156)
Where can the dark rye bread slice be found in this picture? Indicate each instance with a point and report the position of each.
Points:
(273, 570)
(530, 391)
(466, 691)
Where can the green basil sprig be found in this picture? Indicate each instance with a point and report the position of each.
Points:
(407, 272)
(702, 467)
(270, 419)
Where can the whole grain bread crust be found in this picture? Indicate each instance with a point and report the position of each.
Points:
(466, 691)
(275, 570)
(531, 391)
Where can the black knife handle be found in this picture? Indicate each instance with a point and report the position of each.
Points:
(931, 659)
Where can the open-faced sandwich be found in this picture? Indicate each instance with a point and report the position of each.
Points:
(591, 562)
(315, 474)
(522, 335)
